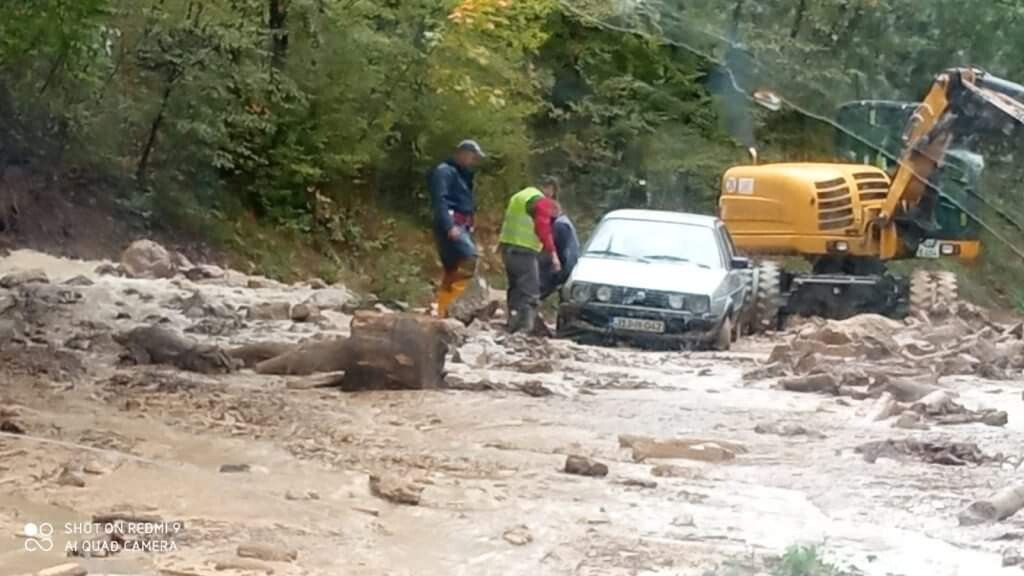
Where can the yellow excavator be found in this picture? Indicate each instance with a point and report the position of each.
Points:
(848, 220)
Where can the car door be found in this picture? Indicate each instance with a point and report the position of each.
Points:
(735, 281)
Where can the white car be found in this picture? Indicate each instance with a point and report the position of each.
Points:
(650, 276)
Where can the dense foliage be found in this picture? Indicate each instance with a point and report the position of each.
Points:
(315, 116)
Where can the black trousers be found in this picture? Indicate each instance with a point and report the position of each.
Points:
(523, 272)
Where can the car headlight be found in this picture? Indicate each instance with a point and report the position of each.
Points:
(580, 293)
(698, 304)
(676, 301)
(604, 293)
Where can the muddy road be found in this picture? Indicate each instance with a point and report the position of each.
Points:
(729, 473)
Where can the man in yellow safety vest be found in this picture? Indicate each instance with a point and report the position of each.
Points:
(525, 233)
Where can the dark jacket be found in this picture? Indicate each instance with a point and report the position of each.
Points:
(451, 189)
(567, 244)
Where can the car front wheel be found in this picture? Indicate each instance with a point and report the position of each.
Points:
(723, 339)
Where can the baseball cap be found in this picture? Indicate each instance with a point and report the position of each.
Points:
(473, 146)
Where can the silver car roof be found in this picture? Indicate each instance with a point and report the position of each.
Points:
(663, 216)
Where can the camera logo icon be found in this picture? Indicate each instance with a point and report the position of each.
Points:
(38, 537)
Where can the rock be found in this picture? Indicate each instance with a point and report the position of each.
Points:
(147, 259)
(79, 280)
(204, 272)
(645, 448)
(683, 521)
(583, 466)
(938, 452)
(909, 420)
(69, 569)
(69, 478)
(243, 565)
(267, 552)
(234, 468)
(302, 313)
(108, 269)
(199, 306)
(474, 303)
(536, 389)
(394, 488)
(673, 471)
(262, 283)
(271, 311)
(1012, 557)
(21, 277)
(316, 284)
(637, 483)
(334, 298)
(95, 468)
(764, 372)
(883, 408)
(787, 429)
(180, 261)
(518, 535)
(309, 495)
(820, 382)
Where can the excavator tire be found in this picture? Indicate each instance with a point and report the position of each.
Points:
(931, 290)
(947, 291)
(767, 297)
(922, 291)
(743, 326)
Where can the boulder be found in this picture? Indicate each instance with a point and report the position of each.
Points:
(147, 259)
(204, 272)
(15, 279)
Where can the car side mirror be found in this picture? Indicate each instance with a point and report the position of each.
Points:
(740, 263)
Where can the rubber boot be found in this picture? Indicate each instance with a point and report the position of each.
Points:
(445, 297)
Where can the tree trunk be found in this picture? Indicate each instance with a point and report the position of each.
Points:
(154, 129)
(278, 25)
(798, 19)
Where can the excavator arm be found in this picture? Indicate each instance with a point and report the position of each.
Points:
(959, 101)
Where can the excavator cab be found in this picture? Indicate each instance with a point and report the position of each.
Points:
(872, 133)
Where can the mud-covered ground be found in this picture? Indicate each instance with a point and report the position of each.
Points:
(241, 458)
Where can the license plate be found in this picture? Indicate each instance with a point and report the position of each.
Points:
(638, 324)
(928, 249)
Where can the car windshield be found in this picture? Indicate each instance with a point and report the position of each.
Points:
(649, 241)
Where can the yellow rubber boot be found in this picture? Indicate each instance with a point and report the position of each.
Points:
(444, 298)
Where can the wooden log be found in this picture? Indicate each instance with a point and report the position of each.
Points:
(385, 352)
(310, 358)
(820, 382)
(883, 408)
(252, 354)
(267, 552)
(395, 351)
(1002, 505)
(907, 390)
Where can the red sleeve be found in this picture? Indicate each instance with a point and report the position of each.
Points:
(543, 213)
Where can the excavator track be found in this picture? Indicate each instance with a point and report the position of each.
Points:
(930, 290)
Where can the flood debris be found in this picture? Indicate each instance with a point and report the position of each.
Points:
(267, 552)
(21, 277)
(234, 468)
(69, 477)
(160, 345)
(788, 430)
(942, 452)
(396, 489)
(704, 450)
(583, 466)
(67, 569)
(999, 506)
(243, 565)
(518, 535)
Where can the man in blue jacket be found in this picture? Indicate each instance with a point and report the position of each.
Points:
(451, 199)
